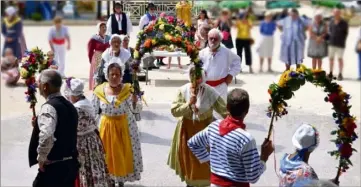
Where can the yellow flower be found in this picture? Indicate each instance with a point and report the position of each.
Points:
(342, 94)
(154, 42)
(342, 134)
(282, 82)
(34, 49)
(136, 54)
(161, 27)
(167, 37)
(24, 73)
(317, 70)
(302, 68)
(178, 28)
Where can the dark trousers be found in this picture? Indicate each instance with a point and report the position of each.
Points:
(246, 45)
(59, 174)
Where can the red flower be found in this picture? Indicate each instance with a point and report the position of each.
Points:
(350, 128)
(333, 97)
(346, 150)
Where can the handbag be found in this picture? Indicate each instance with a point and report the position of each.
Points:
(225, 35)
(251, 40)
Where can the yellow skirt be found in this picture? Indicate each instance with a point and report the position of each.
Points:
(115, 136)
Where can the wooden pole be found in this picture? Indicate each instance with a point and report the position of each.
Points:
(271, 126)
(99, 10)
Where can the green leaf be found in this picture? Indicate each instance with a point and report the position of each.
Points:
(333, 132)
(354, 150)
(349, 162)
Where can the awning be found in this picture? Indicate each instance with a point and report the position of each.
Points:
(282, 4)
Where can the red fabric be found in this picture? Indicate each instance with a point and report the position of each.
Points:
(216, 82)
(58, 41)
(224, 182)
(77, 181)
(229, 124)
(225, 35)
(95, 45)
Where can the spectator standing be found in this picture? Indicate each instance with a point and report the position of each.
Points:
(244, 39)
(265, 49)
(317, 46)
(358, 50)
(338, 31)
(224, 24)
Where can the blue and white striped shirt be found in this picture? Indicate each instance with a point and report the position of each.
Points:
(233, 156)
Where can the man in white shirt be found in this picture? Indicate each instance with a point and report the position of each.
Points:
(219, 63)
(119, 22)
(148, 17)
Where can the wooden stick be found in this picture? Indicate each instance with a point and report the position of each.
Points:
(271, 125)
(336, 180)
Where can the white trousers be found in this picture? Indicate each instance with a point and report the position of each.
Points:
(59, 51)
(222, 89)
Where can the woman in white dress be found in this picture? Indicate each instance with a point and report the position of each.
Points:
(265, 50)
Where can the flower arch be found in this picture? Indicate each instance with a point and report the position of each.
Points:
(166, 32)
(290, 82)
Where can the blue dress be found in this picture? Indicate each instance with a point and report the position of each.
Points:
(293, 40)
(12, 29)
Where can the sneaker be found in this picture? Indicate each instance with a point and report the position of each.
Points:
(161, 63)
(340, 77)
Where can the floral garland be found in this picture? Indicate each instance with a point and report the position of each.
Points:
(291, 81)
(33, 62)
(166, 31)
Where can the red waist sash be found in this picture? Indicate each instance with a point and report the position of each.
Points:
(224, 182)
(216, 82)
(58, 41)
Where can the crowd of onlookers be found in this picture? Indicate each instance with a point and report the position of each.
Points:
(326, 38)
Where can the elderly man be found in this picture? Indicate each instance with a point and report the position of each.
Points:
(54, 138)
(338, 31)
(220, 63)
(115, 51)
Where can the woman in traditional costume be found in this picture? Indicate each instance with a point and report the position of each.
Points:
(96, 46)
(195, 112)
(184, 12)
(93, 169)
(116, 104)
(12, 29)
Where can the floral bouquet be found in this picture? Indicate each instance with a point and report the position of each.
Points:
(33, 62)
(291, 81)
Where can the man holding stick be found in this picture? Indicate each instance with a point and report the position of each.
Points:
(54, 138)
(233, 155)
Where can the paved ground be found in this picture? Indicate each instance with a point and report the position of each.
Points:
(157, 125)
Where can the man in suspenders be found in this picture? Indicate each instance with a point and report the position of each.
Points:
(119, 22)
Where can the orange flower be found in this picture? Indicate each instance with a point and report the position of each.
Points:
(149, 28)
(148, 43)
(189, 49)
(270, 91)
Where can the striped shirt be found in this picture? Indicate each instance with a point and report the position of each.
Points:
(233, 156)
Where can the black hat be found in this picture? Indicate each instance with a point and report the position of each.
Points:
(151, 5)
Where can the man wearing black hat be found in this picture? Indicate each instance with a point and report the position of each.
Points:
(144, 21)
(119, 22)
(148, 17)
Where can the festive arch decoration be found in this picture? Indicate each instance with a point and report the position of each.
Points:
(290, 82)
(32, 63)
(166, 31)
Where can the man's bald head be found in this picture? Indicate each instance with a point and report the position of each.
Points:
(52, 78)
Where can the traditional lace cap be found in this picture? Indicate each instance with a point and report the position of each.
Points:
(10, 11)
(113, 60)
(74, 87)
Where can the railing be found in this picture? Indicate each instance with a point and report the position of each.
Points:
(137, 8)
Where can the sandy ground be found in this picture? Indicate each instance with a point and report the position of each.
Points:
(157, 125)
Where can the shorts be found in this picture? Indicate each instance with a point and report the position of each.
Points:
(335, 51)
